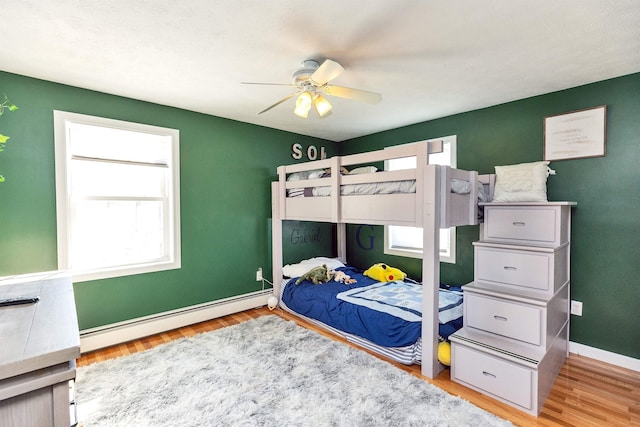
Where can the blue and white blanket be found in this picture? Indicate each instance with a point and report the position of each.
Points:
(321, 302)
(403, 300)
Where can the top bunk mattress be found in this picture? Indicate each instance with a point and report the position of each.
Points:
(386, 187)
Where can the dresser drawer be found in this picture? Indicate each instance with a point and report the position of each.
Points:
(524, 322)
(533, 225)
(539, 270)
(510, 319)
(493, 375)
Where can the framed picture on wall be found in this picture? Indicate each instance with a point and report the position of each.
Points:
(576, 135)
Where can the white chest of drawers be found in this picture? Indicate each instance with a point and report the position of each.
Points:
(39, 344)
(516, 312)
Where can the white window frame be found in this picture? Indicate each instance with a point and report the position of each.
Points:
(447, 251)
(171, 258)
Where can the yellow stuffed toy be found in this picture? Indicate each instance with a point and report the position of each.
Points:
(384, 273)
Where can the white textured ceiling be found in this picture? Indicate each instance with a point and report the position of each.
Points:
(428, 59)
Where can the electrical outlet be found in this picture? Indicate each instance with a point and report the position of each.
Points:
(259, 274)
(576, 308)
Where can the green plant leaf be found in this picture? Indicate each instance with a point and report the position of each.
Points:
(13, 107)
(3, 138)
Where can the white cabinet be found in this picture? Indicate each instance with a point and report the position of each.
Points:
(39, 344)
(516, 311)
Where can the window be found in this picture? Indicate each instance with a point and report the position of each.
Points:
(117, 194)
(407, 241)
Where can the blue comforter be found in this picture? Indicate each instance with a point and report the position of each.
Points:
(368, 320)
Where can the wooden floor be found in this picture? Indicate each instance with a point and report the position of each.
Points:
(586, 393)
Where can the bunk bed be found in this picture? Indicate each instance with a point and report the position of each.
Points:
(429, 197)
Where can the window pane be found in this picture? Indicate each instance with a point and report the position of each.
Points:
(411, 238)
(118, 195)
(111, 179)
(118, 144)
(402, 163)
(405, 237)
(445, 240)
(112, 233)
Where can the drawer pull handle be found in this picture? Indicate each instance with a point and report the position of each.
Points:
(509, 268)
(519, 223)
(488, 374)
(504, 319)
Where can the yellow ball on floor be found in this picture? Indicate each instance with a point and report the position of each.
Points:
(444, 353)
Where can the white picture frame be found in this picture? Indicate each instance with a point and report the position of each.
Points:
(576, 135)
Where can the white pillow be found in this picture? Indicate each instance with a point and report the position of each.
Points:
(363, 169)
(297, 270)
(297, 176)
(316, 174)
(524, 182)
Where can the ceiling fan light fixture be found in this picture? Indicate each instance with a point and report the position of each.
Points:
(312, 79)
(323, 107)
(303, 104)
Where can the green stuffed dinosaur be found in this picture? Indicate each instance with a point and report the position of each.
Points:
(316, 275)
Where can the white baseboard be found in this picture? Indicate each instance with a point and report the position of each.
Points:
(605, 356)
(117, 333)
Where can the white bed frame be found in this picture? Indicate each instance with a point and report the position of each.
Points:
(431, 207)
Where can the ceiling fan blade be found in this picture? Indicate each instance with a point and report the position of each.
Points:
(279, 102)
(326, 71)
(355, 94)
(267, 84)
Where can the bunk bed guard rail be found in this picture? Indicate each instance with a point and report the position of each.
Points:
(383, 209)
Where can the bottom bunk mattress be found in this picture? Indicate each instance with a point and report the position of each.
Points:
(384, 317)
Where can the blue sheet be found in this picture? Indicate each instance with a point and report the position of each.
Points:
(320, 302)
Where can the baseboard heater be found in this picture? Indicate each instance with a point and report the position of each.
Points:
(117, 333)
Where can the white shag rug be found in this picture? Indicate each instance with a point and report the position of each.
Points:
(263, 372)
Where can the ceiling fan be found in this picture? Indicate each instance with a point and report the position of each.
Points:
(312, 81)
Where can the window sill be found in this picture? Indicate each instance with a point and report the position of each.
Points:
(107, 273)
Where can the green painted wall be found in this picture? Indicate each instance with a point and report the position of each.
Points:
(227, 167)
(605, 252)
(226, 170)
